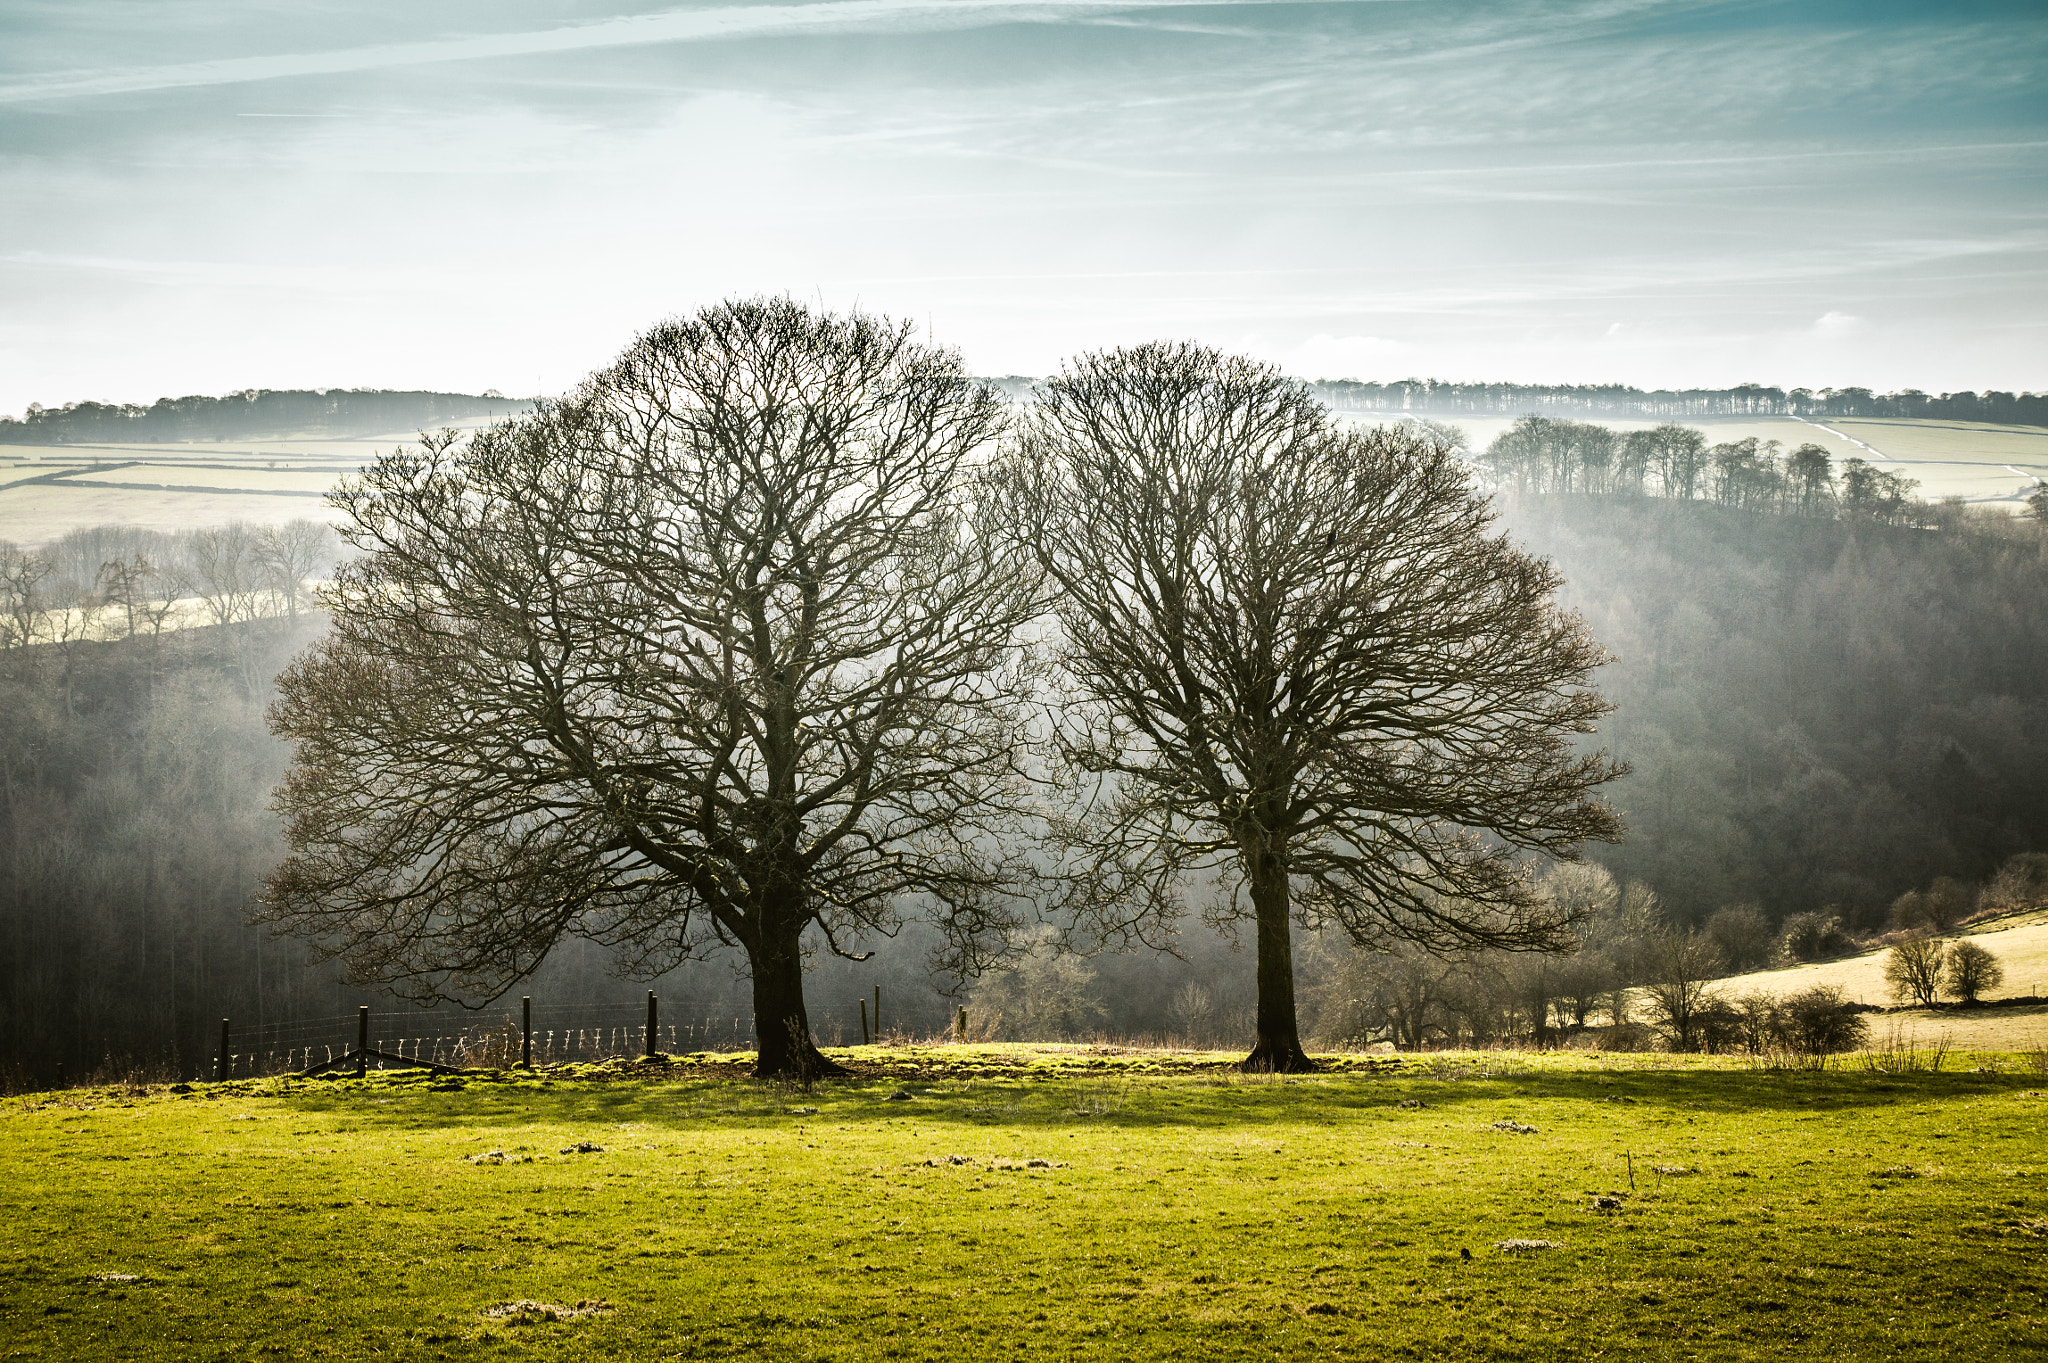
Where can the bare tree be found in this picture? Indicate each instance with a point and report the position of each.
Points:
(223, 571)
(2020, 883)
(24, 602)
(1970, 971)
(1744, 936)
(1681, 966)
(289, 554)
(720, 648)
(1679, 454)
(1913, 968)
(1812, 476)
(124, 583)
(1296, 652)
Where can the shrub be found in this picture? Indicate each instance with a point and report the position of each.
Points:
(1719, 1026)
(1624, 1036)
(1812, 936)
(1913, 969)
(1971, 970)
(1822, 1021)
(1744, 936)
(1761, 1026)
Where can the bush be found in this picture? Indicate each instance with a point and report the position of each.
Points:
(1744, 936)
(1813, 936)
(1822, 1021)
(1971, 970)
(1913, 969)
(1624, 1036)
(1758, 1018)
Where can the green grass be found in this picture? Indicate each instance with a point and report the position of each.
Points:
(1189, 1214)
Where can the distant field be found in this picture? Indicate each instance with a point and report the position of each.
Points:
(1948, 440)
(175, 486)
(2021, 947)
(1948, 459)
(39, 513)
(975, 1203)
(209, 477)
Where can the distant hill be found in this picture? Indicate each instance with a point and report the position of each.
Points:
(256, 414)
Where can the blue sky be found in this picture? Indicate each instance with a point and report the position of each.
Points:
(198, 197)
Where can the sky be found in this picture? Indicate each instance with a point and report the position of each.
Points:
(203, 197)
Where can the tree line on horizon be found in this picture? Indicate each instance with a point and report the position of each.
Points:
(253, 414)
(272, 413)
(1439, 397)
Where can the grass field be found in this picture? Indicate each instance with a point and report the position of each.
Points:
(964, 1203)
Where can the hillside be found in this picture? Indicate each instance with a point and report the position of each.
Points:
(1819, 714)
(2021, 946)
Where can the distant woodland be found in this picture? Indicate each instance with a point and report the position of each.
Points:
(1437, 397)
(256, 414)
(1828, 703)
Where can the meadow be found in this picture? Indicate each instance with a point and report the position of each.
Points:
(969, 1202)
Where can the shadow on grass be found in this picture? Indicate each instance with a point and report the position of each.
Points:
(662, 1101)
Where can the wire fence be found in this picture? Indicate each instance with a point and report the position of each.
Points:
(498, 1037)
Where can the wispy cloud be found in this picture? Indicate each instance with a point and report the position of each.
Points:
(673, 26)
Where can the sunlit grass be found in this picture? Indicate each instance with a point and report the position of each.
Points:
(1024, 1202)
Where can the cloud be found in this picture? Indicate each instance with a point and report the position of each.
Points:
(671, 26)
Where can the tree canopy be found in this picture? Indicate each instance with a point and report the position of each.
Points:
(1300, 656)
(719, 648)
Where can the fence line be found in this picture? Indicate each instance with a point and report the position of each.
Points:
(557, 1034)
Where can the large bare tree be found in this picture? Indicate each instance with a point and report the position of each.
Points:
(719, 648)
(1298, 655)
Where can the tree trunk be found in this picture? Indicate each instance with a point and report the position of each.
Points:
(1278, 1047)
(782, 1029)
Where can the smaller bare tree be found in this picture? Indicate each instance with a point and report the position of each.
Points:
(1682, 964)
(24, 603)
(1913, 969)
(289, 554)
(1300, 656)
(1971, 971)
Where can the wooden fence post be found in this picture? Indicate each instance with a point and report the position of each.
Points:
(960, 1025)
(863, 1022)
(878, 1015)
(362, 1040)
(221, 1070)
(650, 1024)
(526, 1031)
